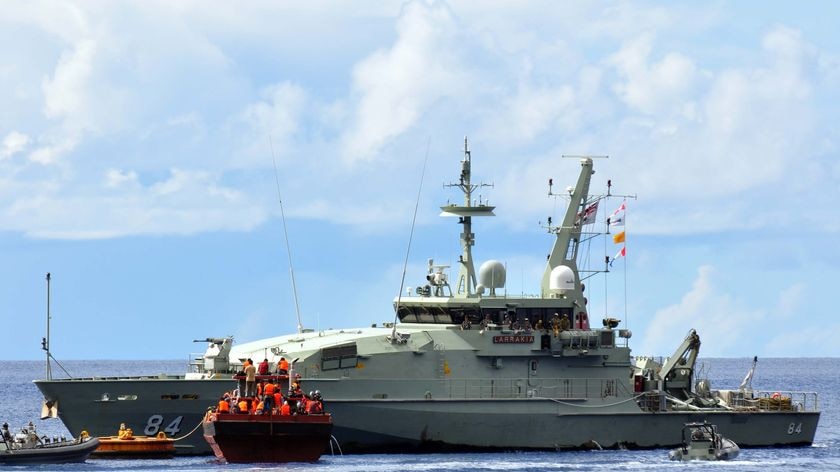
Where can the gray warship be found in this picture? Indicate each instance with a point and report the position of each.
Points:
(466, 367)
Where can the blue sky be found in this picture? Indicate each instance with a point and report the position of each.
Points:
(135, 164)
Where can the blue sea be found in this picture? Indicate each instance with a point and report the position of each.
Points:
(21, 402)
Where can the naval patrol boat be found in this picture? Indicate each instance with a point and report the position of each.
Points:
(467, 366)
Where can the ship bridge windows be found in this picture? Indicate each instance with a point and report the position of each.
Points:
(344, 356)
(427, 314)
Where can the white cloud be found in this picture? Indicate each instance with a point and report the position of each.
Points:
(186, 202)
(532, 110)
(656, 87)
(13, 143)
(396, 85)
(115, 178)
(48, 154)
(719, 319)
(278, 115)
(805, 341)
(66, 93)
(701, 136)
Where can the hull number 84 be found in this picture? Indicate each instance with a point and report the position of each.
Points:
(153, 425)
(794, 428)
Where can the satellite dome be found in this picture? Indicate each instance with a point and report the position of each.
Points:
(562, 278)
(491, 275)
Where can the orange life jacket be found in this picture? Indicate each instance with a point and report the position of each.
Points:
(285, 410)
(269, 389)
(224, 406)
(243, 406)
(283, 365)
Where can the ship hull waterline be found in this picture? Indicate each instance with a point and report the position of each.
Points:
(393, 425)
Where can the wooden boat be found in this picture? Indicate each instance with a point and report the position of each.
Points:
(701, 441)
(247, 438)
(126, 445)
(27, 447)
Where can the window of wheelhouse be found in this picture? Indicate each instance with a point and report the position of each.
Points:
(425, 314)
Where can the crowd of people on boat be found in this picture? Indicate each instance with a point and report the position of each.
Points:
(256, 395)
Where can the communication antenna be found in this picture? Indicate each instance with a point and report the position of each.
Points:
(394, 334)
(45, 343)
(286, 237)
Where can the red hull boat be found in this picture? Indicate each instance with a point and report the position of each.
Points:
(243, 438)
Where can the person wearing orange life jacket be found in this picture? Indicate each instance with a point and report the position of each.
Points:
(243, 406)
(278, 399)
(318, 401)
(260, 408)
(285, 410)
(314, 407)
(269, 388)
(303, 403)
(224, 406)
(283, 366)
(259, 389)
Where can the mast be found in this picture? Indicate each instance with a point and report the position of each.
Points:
(564, 251)
(466, 282)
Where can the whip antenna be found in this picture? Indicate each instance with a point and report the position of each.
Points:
(410, 237)
(286, 236)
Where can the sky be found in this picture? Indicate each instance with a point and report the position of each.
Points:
(139, 142)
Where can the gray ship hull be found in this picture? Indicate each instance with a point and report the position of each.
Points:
(386, 426)
(393, 425)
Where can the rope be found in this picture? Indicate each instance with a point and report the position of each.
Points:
(200, 422)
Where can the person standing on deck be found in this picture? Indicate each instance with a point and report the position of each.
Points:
(565, 324)
(250, 379)
(283, 366)
(555, 324)
(263, 369)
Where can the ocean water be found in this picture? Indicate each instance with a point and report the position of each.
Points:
(20, 402)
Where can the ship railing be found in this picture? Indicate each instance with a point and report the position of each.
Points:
(756, 401)
(555, 388)
(765, 400)
(195, 364)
